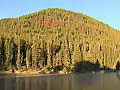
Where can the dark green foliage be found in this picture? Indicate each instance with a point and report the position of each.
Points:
(84, 66)
(118, 65)
(58, 68)
(2, 51)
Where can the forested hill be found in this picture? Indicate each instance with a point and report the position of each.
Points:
(57, 37)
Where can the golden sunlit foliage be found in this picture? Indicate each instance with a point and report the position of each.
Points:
(57, 37)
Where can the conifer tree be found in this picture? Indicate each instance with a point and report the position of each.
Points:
(7, 52)
(77, 55)
(49, 54)
(19, 55)
(67, 56)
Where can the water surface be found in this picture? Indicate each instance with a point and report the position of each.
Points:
(82, 81)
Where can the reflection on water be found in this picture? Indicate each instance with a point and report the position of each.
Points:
(118, 74)
(88, 81)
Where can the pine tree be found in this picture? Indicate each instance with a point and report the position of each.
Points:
(19, 55)
(7, 52)
(1, 51)
(28, 56)
(67, 56)
(77, 55)
(49, 54)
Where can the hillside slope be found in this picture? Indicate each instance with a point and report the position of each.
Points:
(57, 37)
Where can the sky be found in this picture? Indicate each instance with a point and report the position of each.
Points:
(107, 11)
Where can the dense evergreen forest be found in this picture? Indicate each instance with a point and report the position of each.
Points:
(57, 38)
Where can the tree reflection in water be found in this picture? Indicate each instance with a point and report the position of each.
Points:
(118, 74)
(80, 81)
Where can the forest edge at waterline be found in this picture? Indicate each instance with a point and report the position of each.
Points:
(57, 40)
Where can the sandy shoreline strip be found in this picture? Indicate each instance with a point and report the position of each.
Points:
(17, 75)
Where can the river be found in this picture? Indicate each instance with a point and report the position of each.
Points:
(81, 81)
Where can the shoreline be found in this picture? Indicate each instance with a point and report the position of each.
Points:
(8, 74)
(32, 73)
(49, 73)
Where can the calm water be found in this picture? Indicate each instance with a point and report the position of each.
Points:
(86, 81)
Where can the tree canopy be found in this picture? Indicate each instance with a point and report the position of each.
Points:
(57, 37)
